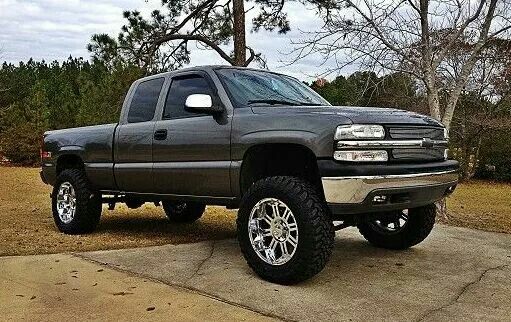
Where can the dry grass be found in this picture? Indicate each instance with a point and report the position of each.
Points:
(481, 205)
(26, 224)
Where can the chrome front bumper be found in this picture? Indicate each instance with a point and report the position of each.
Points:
(354, 190)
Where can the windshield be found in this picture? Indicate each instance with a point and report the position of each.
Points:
(250, 87)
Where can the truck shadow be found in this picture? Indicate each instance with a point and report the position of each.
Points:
(149, 222)
(149, 226)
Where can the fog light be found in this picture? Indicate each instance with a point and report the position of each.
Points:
(379, 199)
(361, 156)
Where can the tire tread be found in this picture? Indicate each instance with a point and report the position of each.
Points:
(192, 212)
(322, 234)
(419, 226)
(88, 203)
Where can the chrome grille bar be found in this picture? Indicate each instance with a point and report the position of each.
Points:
(424, 143)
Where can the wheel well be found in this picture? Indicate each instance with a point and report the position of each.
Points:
(69, 161)
(279, 160)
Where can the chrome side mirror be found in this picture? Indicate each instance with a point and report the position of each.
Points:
(202, 103)
(199, 102)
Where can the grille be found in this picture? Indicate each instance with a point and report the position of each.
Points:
(416, 133)
(418, 154)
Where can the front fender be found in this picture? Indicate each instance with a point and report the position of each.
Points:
(308, 139)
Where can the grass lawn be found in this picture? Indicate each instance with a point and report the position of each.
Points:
(481, 205)
(26, 224)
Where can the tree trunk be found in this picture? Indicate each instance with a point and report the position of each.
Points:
(474, 159)
(240, 44)
(441, 210)
(433, 100)
(434, 105)
(449, 110)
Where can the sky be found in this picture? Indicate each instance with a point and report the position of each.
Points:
(54, 30)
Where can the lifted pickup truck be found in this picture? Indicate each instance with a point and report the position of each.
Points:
(264, 143)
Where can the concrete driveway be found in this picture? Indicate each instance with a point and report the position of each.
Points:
(456, 274)
(64, 287)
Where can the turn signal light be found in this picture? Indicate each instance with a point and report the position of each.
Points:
(362, 156)
(45, 154)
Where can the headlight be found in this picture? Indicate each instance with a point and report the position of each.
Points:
(364, 156)
(359, 131)
(446, 133)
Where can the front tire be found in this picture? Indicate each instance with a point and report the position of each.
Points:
(183, 212)
(400, 230)
(76, 208)
(284, 230)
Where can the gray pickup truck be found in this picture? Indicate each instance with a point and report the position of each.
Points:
(296, 167)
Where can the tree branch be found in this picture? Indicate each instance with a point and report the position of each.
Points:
(192, 15)
(455, 36)
(469, 65)
(198, 38)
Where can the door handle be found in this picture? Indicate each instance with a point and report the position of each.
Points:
(160, 135)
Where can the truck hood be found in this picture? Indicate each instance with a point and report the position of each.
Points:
(360, 115)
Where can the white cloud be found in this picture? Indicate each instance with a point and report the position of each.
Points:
(55, 29)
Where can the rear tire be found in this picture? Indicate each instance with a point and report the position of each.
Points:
(134, 203)
(419, 223)
(310, 229)
(183, 212)
(76, 208)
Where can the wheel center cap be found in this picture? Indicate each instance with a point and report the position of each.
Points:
(278, 231)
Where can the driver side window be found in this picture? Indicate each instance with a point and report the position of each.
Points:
(180, 89)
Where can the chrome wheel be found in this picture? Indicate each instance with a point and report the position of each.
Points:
(393, 223)
(66, 202)
(273, 231)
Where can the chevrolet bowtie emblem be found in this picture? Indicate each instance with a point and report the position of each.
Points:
(427, 143)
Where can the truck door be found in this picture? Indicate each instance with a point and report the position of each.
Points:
(191, 151)
(134, 138)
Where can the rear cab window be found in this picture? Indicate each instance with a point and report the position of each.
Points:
(145, 99)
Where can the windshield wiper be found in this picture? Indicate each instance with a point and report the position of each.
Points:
(272, 102)
(277, 102)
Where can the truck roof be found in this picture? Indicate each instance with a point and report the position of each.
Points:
(205, 68)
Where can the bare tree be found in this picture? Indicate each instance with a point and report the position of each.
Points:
(417, 37)
(484, 109)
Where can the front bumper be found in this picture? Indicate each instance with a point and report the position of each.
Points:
(378, 193)
(48, 173)
(43, 179)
